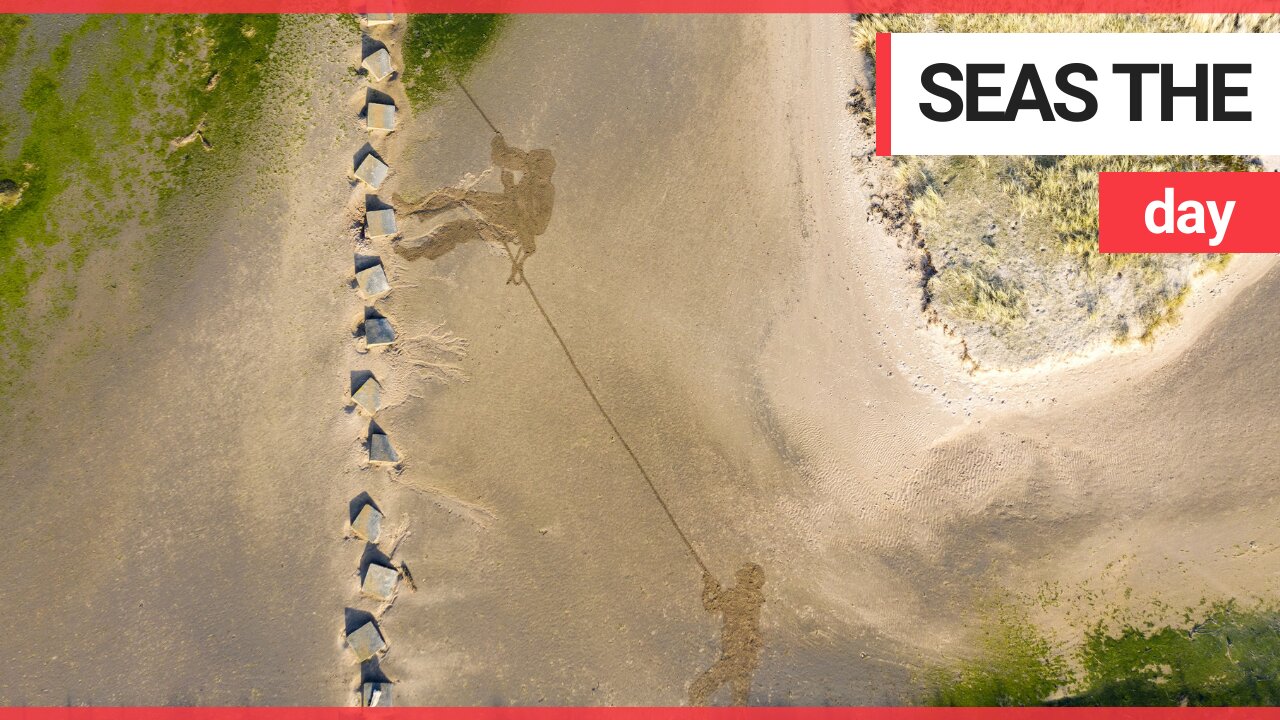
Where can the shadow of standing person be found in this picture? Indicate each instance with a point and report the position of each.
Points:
(740, 639)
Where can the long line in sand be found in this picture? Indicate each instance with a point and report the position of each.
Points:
(521, 279)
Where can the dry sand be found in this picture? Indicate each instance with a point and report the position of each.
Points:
(179, 505)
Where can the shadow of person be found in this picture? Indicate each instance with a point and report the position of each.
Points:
(740, 639)
(518, 214)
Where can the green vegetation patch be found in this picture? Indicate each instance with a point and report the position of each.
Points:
(1016, 666)
(10, 30)
(1222, 655)
(11, 27)
(102, 114)
(231, 53)
(439, 48)
(978, 293)
(1011, 243)
(1230, 656)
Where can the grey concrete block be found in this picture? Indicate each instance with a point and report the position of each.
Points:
(368, 524)
(372, 281)
(372, 171)
(380, 449)
(379, 223)
(380, 582)
(379, 18)
(379, 116)
(375, 694)
(378, 331)
(378, 64)
(366, 642)
(369, 396)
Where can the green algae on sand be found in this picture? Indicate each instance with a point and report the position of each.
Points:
(88, 150)
(1016, 665)
(1225, 655)
(439, 48)
(1220, 655)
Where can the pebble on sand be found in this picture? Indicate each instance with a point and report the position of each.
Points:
(379, 18)
(380, 450)
(372, 171)
(380, 582)
(368, 524)
(372, 281)
(378, 64)
(375, 694)
(381, 117)
(379, 223)
(378, 331)
(366, 642)
(369, 396)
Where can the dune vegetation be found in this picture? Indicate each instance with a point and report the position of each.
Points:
(1009, 244)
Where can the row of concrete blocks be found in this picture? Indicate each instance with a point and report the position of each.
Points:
(371, 281)
(378, 332)
(368, 397)
(378, 116)
(379, 581)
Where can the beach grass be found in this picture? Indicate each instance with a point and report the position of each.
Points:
(1013, 241)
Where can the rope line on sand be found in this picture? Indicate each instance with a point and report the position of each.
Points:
(608, 419)
(476, 105)
(564, 347)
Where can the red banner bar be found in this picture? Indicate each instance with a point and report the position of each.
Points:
(637, 6)
(1188, 212)
(640, 713)
(884, 59)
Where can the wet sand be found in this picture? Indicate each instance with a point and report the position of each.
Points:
(176, 503)
(756, 342)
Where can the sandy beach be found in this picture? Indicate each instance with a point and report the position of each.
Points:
(180, 495)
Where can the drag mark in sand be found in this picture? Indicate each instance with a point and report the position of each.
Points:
(435, 355)
(519, 213)
(474, 513)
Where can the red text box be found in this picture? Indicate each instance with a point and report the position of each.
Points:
(1188, 212)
